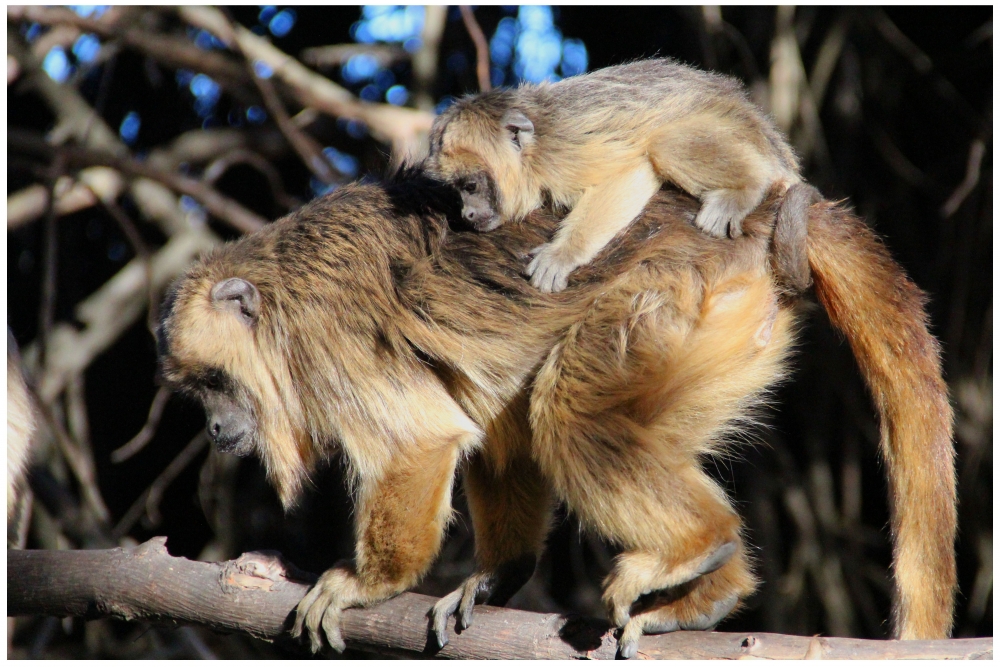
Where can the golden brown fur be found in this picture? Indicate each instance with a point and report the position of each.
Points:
(600, 145)
(383, 336)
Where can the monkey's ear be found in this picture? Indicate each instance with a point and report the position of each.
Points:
(239, 296)
(522, 130)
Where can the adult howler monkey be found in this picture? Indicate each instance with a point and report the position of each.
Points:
(362, 326)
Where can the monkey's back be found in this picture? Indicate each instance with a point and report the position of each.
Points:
(383, 274)
(632, 101)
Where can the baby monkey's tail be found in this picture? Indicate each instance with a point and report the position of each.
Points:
(881, 312)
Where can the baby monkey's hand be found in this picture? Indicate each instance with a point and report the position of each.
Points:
(551, 266)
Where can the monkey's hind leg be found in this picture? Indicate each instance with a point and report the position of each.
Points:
(720, 163)
(601, 213)
(622, 438)
(510, 506)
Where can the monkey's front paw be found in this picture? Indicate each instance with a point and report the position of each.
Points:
(495, 587)
(550, 268)
(458, 603)
(318, 614)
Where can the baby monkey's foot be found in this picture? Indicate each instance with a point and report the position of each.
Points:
(494, 588)
(723, 210)
(551, 266)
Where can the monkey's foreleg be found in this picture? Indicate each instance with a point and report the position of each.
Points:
(510, 510)
(601, 213)
(400, 522)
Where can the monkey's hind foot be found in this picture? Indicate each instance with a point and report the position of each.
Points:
(722, 211)
(640, 573)
(644, 595)
(494, 588)
(665, 619)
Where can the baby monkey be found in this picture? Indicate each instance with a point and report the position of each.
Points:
(600, 145)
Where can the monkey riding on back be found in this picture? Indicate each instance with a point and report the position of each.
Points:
(599, 146)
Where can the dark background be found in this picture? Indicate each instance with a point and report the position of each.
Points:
(910, 93)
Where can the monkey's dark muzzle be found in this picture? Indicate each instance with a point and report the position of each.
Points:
(481, 221)
(231, 434)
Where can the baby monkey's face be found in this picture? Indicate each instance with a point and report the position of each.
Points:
(478, 200)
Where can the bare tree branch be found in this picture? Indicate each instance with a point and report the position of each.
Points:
(257, 593)
(148, 502)
(148, 430)
(924, 65)
(425, 60)
(76, 119)
(111, 310)
(172, 52)
(482, 48)
(79, 462)
(193, 147)
(828, 57)
(214, 171)
(338, 54)
(217, 204)
(397, 126)
(976, 152)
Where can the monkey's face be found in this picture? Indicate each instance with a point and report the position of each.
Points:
(213, 349)
(482, 154)
(479, 208)
(465, 171)
(230, 424)
(230, 421)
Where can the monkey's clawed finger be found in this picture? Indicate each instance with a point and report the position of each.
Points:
(331, 628)
(460, 603)
(654, 623)
(465, 609)
(441, 612)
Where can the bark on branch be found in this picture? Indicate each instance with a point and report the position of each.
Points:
(256, 594)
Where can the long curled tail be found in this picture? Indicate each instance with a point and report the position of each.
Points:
(881, 312)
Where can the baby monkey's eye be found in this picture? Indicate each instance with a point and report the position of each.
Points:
(469, 186)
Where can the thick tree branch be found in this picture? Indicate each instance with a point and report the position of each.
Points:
(335, 55)
(256, 594)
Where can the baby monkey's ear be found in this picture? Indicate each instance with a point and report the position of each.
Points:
(522, 130)
(238, 296)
